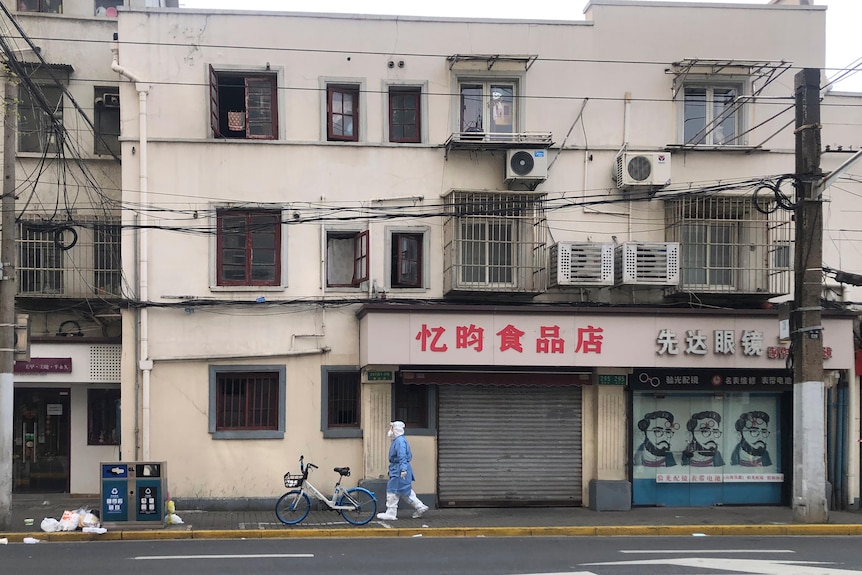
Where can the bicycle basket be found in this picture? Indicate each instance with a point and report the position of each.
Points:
(292, 480)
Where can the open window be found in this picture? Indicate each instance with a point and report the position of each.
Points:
(106, 119)
(342, 113)
(244, 105)
(407, 260)
(346, 258)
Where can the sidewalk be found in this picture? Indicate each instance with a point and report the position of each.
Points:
(555, 521)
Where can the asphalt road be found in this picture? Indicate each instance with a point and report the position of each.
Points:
(437, 556)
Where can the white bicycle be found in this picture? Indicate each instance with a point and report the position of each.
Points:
(357, 505)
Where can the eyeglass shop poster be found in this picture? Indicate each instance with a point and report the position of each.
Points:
(727, 447)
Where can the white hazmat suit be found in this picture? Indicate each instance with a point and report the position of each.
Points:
(400, 475)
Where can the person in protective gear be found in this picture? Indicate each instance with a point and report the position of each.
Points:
(400, 476)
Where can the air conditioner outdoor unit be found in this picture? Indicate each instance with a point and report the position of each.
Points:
(642, 170)
(112, 100)
(526, 165)
(647, 263)
(581, 264)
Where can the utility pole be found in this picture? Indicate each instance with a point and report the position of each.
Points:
(809, 427)
(7, 303)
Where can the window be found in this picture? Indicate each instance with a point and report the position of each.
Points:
(404, 115)
(55, 6)
(106, 259)
(106, 119)
(107, 8)
(249, 248)
(346, 258)
(712, 115)
(728, 246)
(340, 401)
(407, 257)
(246, 402)
(494, 242)
(244, 105)
(103, 416)
(38, 126)
(342, 113)
(488, 106)
(40, 259)
(412, 405)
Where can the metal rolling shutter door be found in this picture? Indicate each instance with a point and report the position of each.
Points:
(500, 446)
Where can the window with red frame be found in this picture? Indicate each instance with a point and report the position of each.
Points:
(249, 248)
(342, 113)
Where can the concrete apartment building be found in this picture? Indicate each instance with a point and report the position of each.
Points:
(549, 247)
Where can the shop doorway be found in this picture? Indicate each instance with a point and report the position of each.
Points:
(41, 430)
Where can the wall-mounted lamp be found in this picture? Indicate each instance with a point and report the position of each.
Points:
(74, 329)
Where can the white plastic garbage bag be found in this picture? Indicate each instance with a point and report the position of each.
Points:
(87, 519)
(96, 530)
(174, 519)
(50, 525)
(31, 540)
(69, 521)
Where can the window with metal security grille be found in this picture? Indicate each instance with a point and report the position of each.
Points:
(106, 120)
(39, 118)
(106, 260)
(346, 258)
(40, 259)
(244, 105)
(103, 416)
(712, 115)
(494, 242)
(249, 248)
(404, 114)
(74, 260)
(488, 106)
(342, 399)
(247, 401)
(728, 246)
(411, 404)
(342, 113)
(53, 6)
(407, 260)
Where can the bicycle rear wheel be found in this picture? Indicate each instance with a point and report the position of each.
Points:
(364, 505)
(292, 507)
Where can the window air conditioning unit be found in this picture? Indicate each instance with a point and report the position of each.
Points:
(647, 263)
(642, 170)
(526, 165)
(581, 264)
(112, 100)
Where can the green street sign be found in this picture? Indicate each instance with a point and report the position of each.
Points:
(380, 376)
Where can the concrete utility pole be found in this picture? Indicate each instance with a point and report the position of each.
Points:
(7, 304)
(809, 427)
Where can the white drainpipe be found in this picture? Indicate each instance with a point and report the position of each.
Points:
(145, 363)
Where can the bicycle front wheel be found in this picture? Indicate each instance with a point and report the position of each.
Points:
(364, 505)
(292, 507)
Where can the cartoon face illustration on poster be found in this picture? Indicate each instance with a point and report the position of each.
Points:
(752, 449)
(658, 428)
(702, 450)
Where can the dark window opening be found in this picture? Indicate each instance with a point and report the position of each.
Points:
(342, 399)
(38, 129)
(53, 6)
(411, 404)
(243, 106)
(106, 119)
(404, 115)
(107, 259)
(103, 416)
(406, 260)
(247, 401)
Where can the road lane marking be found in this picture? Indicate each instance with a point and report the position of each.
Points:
(748, 566)
(242, 556)
(705, 551)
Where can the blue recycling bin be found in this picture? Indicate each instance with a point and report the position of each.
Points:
(133, 494)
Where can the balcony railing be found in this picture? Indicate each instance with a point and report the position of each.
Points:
(69, 260)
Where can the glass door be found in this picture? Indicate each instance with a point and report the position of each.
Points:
(40, 451)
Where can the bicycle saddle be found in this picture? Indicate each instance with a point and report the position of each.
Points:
(343, 471)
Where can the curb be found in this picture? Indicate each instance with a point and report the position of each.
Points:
(574, 531)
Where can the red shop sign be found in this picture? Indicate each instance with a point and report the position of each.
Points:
(44, 365)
